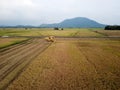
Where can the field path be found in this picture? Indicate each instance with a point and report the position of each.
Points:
(72, 65)
(15, 58)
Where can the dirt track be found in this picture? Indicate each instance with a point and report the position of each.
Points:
(14, 58)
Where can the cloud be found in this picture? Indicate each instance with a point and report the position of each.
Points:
(36, 12)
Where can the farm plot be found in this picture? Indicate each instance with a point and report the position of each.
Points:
(87, 33)
(67, 32)
(113, 33)
(36, 32)
(73, 64)
(4, 42)
(13, 59)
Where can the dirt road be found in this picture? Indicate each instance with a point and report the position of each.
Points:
(73, 64)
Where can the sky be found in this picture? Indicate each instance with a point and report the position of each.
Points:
(36, 12)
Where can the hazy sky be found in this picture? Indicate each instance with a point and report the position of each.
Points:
(36, 12)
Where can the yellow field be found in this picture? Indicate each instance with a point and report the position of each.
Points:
(113, 33)
(4, 42)
(80, 59)
(48, 31)
(73, 64)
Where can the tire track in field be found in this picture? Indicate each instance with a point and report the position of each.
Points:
(12, 50)
(13, 47)
(25, 56)
(103, 57)
(7, 58)
(21, 60)
(101, 71)
(64, 67)
(10, 60)
(88, 60)
(20, 55)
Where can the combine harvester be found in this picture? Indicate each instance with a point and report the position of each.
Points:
(50, 39)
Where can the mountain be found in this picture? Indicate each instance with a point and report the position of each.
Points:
(79, 22)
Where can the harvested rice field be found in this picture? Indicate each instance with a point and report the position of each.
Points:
(66, 64)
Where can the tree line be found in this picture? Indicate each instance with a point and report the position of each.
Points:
(115, 27)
